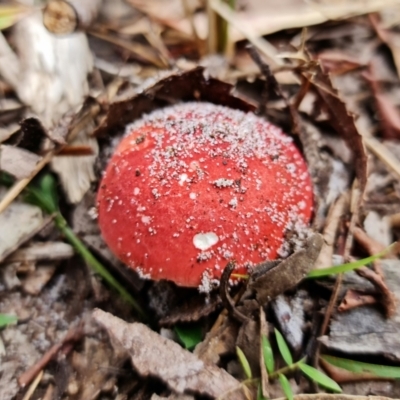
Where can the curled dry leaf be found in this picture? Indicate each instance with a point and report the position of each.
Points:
(219, 341)
(287, 274)
(341, 120)
(191, 85)
(153, 355)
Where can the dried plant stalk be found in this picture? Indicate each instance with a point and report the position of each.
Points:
(62, 17)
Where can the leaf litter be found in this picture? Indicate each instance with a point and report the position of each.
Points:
(331, 115)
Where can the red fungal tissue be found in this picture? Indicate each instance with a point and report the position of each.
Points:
(195, 185)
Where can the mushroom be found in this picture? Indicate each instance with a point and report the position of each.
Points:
(194, 185)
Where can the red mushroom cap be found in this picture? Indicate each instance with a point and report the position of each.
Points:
(195, 185)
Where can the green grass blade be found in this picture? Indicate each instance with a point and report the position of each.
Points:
(283, 348)
(268, 354)
(358, 367)
(6, 319)
(338, 269)
(96, 266)
(43, 194)
(189, 336)
(244, 363)
(286, 386)
(319, 377)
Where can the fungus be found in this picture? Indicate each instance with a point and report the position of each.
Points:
(195, 185)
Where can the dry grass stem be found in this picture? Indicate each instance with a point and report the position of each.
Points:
(266, 48)
(336, 211)
(144, 52)
(20, 185)
(380, 151)
(33, 386)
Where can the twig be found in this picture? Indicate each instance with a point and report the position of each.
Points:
(73, 335)
(383, 154)
(336, 211)
(349, 241)
(228, 302)
(134, 48)
(370, 245)
(33, 386)
(388, 299)
(354, 299)
(19, 186)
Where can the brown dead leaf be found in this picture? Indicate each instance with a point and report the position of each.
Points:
(286, 274)
(341, 120)
(364, 330)
(264, 17)
(31, 136)
(153, 355)
(218, 342)
(191, 85)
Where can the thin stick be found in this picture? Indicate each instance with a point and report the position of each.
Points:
(73, 335)
(383, 154)
(19, 186)
(33, 386)
(355, 195)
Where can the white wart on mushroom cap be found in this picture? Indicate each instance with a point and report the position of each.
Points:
(195, 185)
